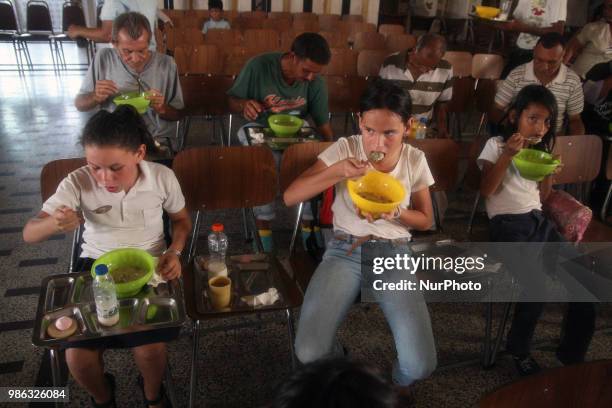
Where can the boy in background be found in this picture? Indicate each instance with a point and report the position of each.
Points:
(216, 21)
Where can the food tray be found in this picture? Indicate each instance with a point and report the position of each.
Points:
(303, 135)
(244, 283)
(72, 295)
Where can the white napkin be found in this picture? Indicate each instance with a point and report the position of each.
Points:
(256, 137)
(263, 299)
(156, 279)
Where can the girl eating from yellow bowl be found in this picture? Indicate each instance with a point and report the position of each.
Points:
(120, 197)
(384, 115)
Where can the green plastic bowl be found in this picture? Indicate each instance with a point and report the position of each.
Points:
(534, 164)
(136, 99)
(285, 125)
(133, 257)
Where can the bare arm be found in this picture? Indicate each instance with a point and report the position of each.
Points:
(493, 173)
(98, 34)
(420, 216)
(41, 227)
(169, 265)
(572, 49)
(104, 89)
(576, 127)
(319, 177)
(519, 26)
(441, 114)
(326, 131)
(250, 108)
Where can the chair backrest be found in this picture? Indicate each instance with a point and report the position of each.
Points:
(581, 158)
(72, 13)
(442, 158)
(355, 27)
(8, 20)
(54, 172)
(280, 25)
(353, 17)
(306, 25)
(280, 15)
(192, 36)
(182, 58)
(206, 94)
(223, 38)
(234, 59)
(327, 22)
(206, 59)
(344, 92)
(400, 42)
(214, 178)
(369, 41)
(391, 29)
(192, 21)
(370, 61)
(254, 14)
(248, 23)
(298, 158)
(38, 16)
(487, 66)
(286, 39)
(261, 40)
(305, 16)
(343, 62)
(335, 39)
(461, 62)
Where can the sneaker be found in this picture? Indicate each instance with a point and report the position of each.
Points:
(526, 365)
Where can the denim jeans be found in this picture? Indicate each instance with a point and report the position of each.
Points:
(267, 212)
(330, 294)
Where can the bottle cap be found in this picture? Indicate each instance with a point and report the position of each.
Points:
(101, 269)
(217, 227)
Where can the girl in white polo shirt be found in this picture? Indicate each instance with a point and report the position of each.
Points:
(514, 207)
(385, 111)
(137, 192)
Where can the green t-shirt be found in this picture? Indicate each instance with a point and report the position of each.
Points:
(261, 79)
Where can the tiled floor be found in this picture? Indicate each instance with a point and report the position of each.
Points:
(238, 368)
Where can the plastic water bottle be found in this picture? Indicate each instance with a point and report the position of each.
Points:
(421, 131)
(105, 294)
(217, 244)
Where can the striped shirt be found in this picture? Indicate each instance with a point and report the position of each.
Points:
(566, 87)
(431, 87)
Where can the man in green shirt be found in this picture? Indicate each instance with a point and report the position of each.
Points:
(283, 83)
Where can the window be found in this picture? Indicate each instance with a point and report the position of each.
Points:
(307, 6)
(261, 5)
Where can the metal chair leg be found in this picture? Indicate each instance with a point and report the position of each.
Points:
(436, 212)
(486, 352)
(290, 330)
(229, 131)
(194, 238)
(194, 363)
(296, 227)
(170, 389)
(500, 333)
(604, 208)
(55, 371)
(253, 220)
(473, 213)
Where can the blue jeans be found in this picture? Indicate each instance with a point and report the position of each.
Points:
(330, 294)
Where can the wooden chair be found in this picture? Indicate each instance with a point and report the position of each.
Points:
(305, 16)
(343, 62)
(306, 25)
(228, 178)
(400, 42)
(443, 160)
(327, 22)
(206, 59)
(192, 21)
(370, 61)
(234, 59)
(463, 88)
(280, 25)
(248, 23)
(335, 39)
(355, 27)
(192, 36)
(286, 39)
(391, 29)
(273, 15)
(297, 159)
(259, 41)
(253, 14)
(486, 70)
(344, 93)
(182, 57)
(206, 95)
(356, 18)
(224, 38)
(369, 41)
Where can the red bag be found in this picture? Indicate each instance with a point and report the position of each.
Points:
(326, 215)
(570, 215)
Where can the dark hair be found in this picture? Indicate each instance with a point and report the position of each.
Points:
(122, 128)
(134, 23)
(533, 94)
(551, 40)
(429, 39)
(386, 94)
(215, 4)
(334, 383)
(311, 46)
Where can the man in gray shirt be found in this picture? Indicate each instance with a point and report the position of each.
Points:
(129, 66)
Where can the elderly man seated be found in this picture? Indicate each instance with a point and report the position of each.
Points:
(131, 66)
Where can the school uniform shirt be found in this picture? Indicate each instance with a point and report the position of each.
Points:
(135, 219)
(596, 40)
(261, 79)
(515, 194)
(148, 8)
(566, 87)
(411, 171)
(215, 25)
(429, 88)
(539, 13)
(159, 73)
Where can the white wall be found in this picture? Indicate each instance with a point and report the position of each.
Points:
(297, 6)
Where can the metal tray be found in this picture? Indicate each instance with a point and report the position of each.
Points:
(303, 135)
(244, 283)
(71, 295)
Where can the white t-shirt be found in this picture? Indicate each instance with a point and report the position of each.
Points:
(540, 13)
(596, 38)
(148, 8)
(411, 170)
(515, 195)
(135, 219)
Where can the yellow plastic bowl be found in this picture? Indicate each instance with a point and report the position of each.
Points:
(379, 183)
(487, 12)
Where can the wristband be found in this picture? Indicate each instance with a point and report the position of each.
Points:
(174, 251)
